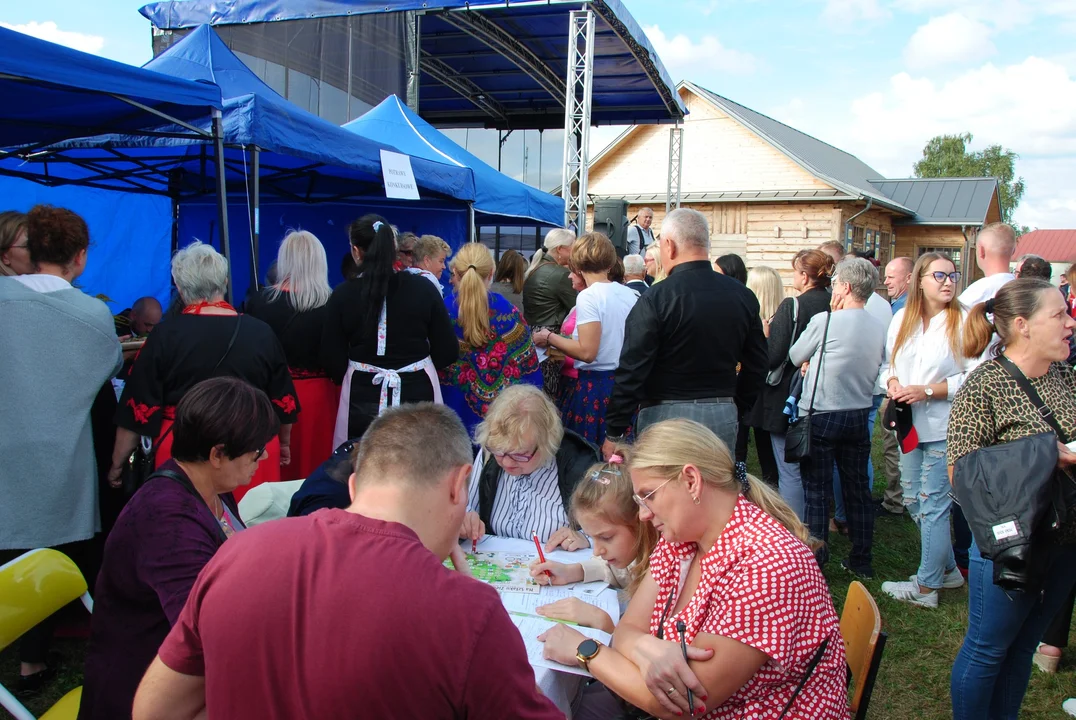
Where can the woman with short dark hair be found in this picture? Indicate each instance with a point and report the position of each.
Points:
(732, 265)
(509, 277)
(167, 533)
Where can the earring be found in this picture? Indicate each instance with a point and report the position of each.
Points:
(697, 500)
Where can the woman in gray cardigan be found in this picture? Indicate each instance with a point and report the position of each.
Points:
(60, 347)
(845, 375)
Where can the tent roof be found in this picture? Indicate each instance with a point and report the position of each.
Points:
(53, 93)
(496, 194)
(506, 62)
(303, 156)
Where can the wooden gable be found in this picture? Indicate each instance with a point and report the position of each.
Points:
(720, 155)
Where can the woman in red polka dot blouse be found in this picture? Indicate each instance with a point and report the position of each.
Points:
(733, 576)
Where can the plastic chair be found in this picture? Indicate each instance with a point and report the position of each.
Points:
(864, 641)
(32, 587)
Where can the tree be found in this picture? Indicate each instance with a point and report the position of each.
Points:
(948, 156)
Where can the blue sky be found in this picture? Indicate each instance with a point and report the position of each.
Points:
(875, 77)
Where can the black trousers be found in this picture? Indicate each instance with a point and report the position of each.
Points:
(1057, 634)
(86, 554)
(764, 449)
(841, 438)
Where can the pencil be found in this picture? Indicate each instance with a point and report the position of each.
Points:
(541, 555)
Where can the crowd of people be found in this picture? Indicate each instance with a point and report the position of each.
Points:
(596, 397)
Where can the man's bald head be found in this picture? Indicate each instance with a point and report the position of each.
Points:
(898, 273)
(145, 314)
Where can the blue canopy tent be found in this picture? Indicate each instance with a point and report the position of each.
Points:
(499, 199)
(52, 93)
(273, 149)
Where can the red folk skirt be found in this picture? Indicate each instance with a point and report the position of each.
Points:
(312, 433)
(268, 469)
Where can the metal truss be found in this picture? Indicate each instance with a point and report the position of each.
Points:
(577, 105)
(451, 78)
(676, 168)
(496, 38)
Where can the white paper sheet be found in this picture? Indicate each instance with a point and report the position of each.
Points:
(531, 626)
(529, 603)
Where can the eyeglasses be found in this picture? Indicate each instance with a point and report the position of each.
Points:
(407, 252)
(640, 500)
(518, 457)
(260, 453)
(939, 277)
(12, 247)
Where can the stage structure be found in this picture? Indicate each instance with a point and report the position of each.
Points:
(477, 63)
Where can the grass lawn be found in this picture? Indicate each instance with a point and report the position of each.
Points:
(913, 683)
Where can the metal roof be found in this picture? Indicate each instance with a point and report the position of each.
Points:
(488, 62)
(842, 170)
(733, 196)
(942, 201)
(1051, 245)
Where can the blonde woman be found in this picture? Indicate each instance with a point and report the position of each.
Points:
(428, 254)
(652, 261)
(766, 284)
(733, 578)
(600, 318)
(294, 307)
(495, 344)
(924, 368)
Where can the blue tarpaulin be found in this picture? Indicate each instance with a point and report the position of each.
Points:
(521, 70)
(52, 93)
(499, 199)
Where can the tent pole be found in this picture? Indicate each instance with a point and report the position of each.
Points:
(255, 214)
(222, 194)
(470, 223)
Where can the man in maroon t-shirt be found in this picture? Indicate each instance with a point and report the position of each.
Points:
(350, 613)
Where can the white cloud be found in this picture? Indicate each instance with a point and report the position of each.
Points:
(946, 40)
(683, 57)
(843, 14)
(48, 30)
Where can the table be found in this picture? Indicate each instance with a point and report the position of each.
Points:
(560, 687)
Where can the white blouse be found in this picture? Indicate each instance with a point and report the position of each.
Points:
(524, 504)
(926, 359)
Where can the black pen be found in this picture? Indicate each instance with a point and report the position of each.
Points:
(681, 628)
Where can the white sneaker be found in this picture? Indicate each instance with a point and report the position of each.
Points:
(1069, 706)
(909, 592)
(950, 581)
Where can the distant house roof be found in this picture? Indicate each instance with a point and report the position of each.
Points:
(1051, 245)
(831, 165)
(942, 201)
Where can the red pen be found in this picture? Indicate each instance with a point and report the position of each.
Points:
(541, 555)
(474, 546)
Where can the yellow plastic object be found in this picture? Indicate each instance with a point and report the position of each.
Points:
(861, 624)
(66, 708)
(34, 586)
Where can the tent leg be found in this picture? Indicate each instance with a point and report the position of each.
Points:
(255, 214)
(676, 153)
(471, 234)
(175, 226)
(577, 105)
(222, 194)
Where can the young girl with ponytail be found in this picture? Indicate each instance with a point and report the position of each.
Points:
(495, 345)
(732, 586)
(385, 334)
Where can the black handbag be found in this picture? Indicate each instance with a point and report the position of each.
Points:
(141, 463)
(798, 436)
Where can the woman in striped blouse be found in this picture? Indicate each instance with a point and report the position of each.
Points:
(525, 472)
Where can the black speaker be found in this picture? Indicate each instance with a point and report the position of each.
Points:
(611, 218)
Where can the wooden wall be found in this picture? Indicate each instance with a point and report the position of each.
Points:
(719, 155)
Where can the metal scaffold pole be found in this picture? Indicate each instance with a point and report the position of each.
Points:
(577, 104)
(676, 155)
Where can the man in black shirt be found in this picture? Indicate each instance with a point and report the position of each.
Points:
(684, 339)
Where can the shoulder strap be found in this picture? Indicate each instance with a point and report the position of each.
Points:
(189, 487)
(818, 372)
(235, 334)
(1044, 411)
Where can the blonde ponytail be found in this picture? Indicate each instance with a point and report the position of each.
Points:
(666, 447)
(472, 266)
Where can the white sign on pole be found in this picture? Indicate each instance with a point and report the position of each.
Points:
(399, 177)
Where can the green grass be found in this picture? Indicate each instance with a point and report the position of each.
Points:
(913, 682)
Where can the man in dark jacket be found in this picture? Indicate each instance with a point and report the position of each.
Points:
(684, 340)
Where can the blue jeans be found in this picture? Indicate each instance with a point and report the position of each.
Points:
(991, 671)
(924, 477)
(789, 479)
(838, 497)
(721, 417)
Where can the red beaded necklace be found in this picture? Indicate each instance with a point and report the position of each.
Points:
(198, 307)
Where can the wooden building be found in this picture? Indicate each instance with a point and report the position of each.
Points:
(769, 190)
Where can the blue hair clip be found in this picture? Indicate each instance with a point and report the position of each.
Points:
(740, 473)
(377, 225)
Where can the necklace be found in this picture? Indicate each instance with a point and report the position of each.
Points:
(198, 307)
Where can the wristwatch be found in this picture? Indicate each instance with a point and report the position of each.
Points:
(586, 652)
(929, 392)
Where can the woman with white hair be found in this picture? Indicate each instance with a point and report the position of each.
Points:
(844, 349)
(294, 307)
(524, 475)
(548, 295)
(207, 339)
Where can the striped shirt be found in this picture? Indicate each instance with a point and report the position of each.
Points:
(524, 504)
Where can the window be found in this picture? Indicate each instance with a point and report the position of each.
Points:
(955, 252)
